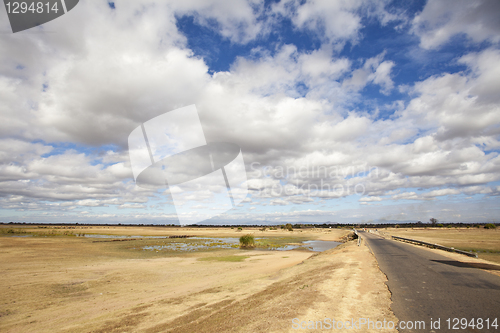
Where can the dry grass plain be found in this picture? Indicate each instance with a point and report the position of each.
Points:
(78, 284)
(486, 242)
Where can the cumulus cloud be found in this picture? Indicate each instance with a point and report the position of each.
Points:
(439, 22)
(70, 100)
(338, 19)
(370, 199)
(236, 20)
(442, 192)
(373, 71)
(336, 22)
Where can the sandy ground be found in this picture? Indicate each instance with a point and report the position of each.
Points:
(70, 284)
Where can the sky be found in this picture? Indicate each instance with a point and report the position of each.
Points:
(357, 111)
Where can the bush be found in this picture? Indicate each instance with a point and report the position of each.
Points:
(240, 228)
(440, 225)
(247, 241)
(490, 226)
(288, 227)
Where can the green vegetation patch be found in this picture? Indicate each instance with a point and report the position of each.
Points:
(273, 243)
(247, 241)
(30, 232)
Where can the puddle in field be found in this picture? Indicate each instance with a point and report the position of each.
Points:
(198, 243)
(320, 246)
(202, 243)
(313, 245)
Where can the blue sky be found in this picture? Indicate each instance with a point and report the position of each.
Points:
(408, 90)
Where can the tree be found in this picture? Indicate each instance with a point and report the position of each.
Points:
(433, 221)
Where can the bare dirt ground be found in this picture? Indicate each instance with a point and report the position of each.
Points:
(74, 284)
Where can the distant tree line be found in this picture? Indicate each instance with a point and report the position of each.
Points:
(433, 222)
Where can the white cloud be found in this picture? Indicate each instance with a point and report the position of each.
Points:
(373, 71)
(442, 192)
(131, 206)
(335, 22)
(235, 19)
(279, 202)
(459, 106)
(90, 84)
(406, 196)
(382, 76)
(485, 67)
(439, 22)
(338, 19)
(370, 199)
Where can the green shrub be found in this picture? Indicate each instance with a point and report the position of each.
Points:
(490, 226)
(240, 228)
(289, 227)
(247, 241)
(12, 231)
(440, 225)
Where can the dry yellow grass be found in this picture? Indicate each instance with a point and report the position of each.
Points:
(484, 241)
(72, 284)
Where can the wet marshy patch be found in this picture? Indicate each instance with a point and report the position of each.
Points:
(196, 244)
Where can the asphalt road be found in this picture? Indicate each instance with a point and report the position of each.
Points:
(426, 286)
